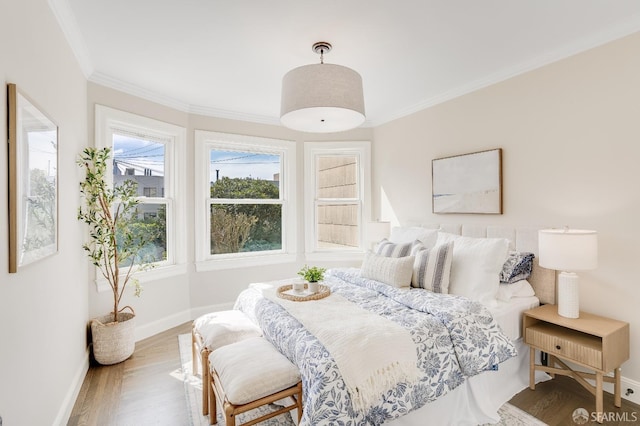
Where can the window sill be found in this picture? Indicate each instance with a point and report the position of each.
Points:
(144, 277)
(244, 262)
(334, 256)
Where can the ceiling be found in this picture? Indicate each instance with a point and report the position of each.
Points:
(227, 58)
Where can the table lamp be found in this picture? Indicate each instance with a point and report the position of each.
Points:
(376, 231)
(568, 250)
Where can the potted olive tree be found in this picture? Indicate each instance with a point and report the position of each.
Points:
(113, 249)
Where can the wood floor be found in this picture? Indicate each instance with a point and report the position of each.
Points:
(144, 390)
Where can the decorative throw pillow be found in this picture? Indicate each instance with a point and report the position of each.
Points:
(388, 249)
(476, 266)
(432, 267)
(395, 271)
(517, 267)
(409, 234)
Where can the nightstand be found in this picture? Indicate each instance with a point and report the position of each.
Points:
(597, 343)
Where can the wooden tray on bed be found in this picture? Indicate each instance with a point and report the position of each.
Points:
(287, 292)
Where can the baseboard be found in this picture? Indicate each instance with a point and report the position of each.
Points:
(72, 394)
(626, 383)
(155, 327)
(201, 310)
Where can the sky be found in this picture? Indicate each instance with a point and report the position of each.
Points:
(237, 164)
(134, 152)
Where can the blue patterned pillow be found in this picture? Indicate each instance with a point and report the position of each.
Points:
(517, 267)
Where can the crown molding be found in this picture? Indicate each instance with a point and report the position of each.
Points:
(629, 27)
(135, 90)
(67, 22)
(152, 96)
(233, 115)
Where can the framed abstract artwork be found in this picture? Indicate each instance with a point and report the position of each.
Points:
(33, 181)
(468, 183)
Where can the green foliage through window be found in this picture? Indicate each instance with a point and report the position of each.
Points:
(248, 226)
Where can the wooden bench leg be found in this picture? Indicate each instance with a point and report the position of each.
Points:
(299, 402)
(213, 409)
(229, 414)
(194, 353)
(204, 364)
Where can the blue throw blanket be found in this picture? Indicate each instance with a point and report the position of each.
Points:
(454, 338)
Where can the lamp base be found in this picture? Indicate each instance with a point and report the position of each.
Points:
(568, 295)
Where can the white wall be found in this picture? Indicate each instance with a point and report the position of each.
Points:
(570, 138)
(43, 308)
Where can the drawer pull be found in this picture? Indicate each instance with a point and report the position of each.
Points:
(558, 347)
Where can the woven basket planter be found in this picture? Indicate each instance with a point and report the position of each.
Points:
(113, 342)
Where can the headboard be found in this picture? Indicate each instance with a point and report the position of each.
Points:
(542, 280)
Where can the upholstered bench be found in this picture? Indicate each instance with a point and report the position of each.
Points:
(212, 331)
(248, 374)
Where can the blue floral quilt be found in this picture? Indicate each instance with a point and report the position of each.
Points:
(454, 338)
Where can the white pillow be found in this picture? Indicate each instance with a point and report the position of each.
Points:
(395, 271)
(476, 266)
(432, 267)
(521, 288)
(408, 234)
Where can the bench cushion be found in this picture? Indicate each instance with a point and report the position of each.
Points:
(222, 328)
(252, 369)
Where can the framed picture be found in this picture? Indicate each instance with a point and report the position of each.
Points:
(33, 181)
(469, 183)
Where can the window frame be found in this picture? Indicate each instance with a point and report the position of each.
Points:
(208, 140)
(110, 121)
(312, 150)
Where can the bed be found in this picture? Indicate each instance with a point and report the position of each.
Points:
(466, 353)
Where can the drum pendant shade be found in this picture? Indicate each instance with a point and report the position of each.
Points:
(322, 98)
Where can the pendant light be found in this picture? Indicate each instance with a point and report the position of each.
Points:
(322, 98)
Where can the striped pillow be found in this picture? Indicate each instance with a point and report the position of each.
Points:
(431, 267)
(396, 272)
(388, 249)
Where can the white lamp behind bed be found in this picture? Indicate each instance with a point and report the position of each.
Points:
(377, 231)
(568, 250)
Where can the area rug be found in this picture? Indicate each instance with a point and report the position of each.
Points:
(509, 415)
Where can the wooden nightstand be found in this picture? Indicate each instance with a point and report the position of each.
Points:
(597, 343)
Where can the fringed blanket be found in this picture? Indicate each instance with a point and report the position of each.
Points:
(453, 338)
(369, 369)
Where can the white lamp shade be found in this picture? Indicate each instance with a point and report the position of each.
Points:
(568, 249)
(378, 230)
(322, 98)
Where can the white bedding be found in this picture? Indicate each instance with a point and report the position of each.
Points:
(509, 314)
(478, 399)
(455, 339)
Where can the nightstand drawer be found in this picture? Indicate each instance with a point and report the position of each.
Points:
(566, 343)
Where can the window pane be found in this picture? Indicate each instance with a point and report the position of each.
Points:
(338, 226)
(236, 174)
(150, 227)
(337, 176)
(140, 160)
(237, 228)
